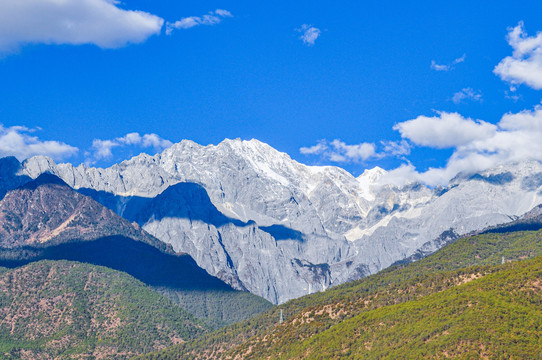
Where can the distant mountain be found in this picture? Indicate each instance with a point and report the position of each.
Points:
(261, 221)
(46, 219)
(69, 310)
(460, 302)
(530, 221)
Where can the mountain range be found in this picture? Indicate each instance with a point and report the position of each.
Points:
(45, 219)
(262, 222)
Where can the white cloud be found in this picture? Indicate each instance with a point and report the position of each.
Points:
(103, 149)
(467, 94)
(447, 67)
(155, 141)
(512, 96)
(309, 34)
(212, 18)
(525, 120)
(525, 64)
(356, 153)
(516, 137)
(315, 149)
(394, 148)
(438, 67)
(74, 22)
(447, 130)
(17, 141)
(223, 13)
(130, 139)
(340, 152)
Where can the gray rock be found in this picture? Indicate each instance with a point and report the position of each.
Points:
(263, 222)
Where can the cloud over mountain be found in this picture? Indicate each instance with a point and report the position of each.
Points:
(17, 141)
(102, 149)
(339, 151)
(477, 145)
(444, 131)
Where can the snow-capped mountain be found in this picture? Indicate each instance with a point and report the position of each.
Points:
(265, 223)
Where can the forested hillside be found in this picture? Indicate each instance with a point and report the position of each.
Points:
(469, 270)
(62, 309)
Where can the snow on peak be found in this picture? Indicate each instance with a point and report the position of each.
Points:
(372, 175)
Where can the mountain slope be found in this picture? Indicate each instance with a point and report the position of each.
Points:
(46, 219)
(465, 260)
(496, 316)
(316, 226)
(47, 211)
(66, 310)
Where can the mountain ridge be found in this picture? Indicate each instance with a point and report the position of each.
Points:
(45, 219)
(354, 226)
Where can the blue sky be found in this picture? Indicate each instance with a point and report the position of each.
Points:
(327, 82)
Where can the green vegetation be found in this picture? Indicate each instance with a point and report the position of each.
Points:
(438, 306)
(498, 316)
(218, 308)
(62, 309)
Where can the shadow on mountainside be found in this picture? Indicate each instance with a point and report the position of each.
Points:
(513, 227)
(185, 200)
(9, 175)
(142, 261)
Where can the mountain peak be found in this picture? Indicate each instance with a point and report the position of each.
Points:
(9, 161)
(37, 165)
(372, 176)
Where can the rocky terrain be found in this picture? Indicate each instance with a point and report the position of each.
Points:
(46, 219)
(46, 211)
(461, 302)
(263, 222)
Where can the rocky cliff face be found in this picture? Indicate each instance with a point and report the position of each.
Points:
(280, 229)
(46, 219)
(46, 211)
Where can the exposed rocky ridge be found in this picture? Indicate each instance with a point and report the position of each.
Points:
(291, 229)
(46, 219)
(46, 211)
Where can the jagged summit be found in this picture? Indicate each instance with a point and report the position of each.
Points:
(293, 228)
